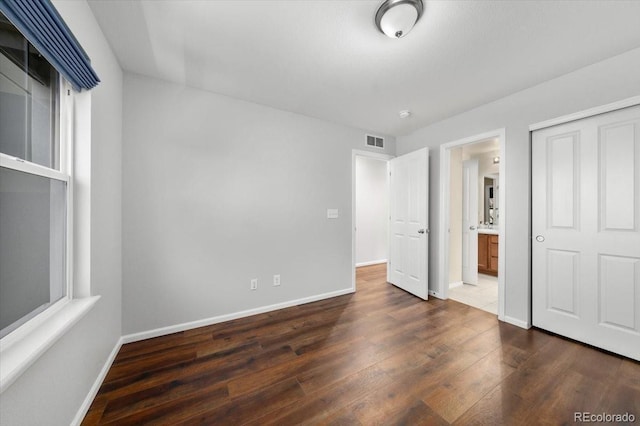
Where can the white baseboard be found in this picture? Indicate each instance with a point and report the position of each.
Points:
(372, 262)
(517, 322)
(134, 337)
(86, 404)
(455, 284)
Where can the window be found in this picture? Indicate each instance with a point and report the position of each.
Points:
(34, 183)
(42, 122)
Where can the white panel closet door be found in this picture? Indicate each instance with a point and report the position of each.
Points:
(408, 233)
(586, 230)
(470, 222)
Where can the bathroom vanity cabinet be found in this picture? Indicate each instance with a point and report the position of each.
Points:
(488, 254)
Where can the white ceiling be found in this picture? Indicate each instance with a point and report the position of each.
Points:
(326, 59)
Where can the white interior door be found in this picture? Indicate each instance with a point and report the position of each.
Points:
(470, 222)
(586, 230)
(408, 219)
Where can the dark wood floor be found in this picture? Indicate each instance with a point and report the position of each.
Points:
(379, 356)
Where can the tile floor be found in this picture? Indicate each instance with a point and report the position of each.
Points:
(483, 296)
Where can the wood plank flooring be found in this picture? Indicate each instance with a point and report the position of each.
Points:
(379, 356)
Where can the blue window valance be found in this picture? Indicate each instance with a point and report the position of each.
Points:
(42, 25)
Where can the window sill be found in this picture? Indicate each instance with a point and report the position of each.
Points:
(17, 353)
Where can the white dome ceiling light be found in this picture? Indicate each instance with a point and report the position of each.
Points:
(395, 18)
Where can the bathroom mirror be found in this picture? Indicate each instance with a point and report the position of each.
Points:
(490, 198)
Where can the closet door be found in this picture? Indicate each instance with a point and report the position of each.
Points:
(586, 230)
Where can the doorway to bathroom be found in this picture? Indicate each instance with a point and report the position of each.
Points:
(473, 215)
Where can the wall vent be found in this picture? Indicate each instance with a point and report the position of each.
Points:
(375, 141)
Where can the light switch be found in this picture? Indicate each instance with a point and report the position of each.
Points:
(332, 213)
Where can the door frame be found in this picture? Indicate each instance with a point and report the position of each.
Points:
(366, 154)
(445, 187)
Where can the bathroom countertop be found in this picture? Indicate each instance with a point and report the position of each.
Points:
(488, 231)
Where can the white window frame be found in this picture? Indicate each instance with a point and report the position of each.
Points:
(65, 136)
(23, 346)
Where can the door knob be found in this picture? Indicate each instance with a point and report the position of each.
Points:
(420, 231)
(539, 238)
(472, 228)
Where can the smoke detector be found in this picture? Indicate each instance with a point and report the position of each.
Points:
(404, 113)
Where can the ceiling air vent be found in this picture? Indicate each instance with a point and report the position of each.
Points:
(375, 141)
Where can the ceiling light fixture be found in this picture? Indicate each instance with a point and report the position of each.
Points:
(395, 18)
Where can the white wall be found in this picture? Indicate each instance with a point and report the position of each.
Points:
(372, 210)
(604, 82)
(218, 191)
(52, 390)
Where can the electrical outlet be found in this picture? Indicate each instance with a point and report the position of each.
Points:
(276, 280)
(254, 284)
